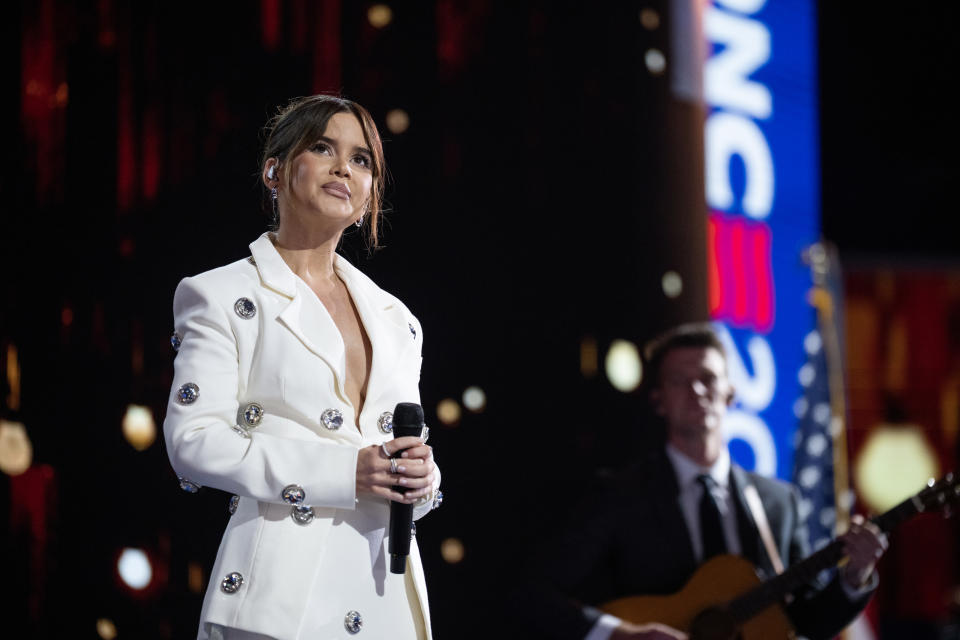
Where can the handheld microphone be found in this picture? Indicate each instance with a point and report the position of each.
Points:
(407, 421)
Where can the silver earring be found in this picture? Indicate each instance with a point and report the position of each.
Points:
(273, 198)
(359, 222)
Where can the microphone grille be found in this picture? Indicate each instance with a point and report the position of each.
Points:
(408, 413)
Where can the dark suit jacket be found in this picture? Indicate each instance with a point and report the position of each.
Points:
(633, 540)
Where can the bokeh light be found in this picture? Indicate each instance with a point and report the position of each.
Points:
(106, 629)
(623, 366)
(451, 550)
(62, 96)
(134, 568)
(894, 463)
(398, 121)
(138, 427)
(588, 357)
(16, 451)
(195, 581)
(655, 60)
(672, 284)
(13, 377)
(649, 18)
(448, 412)
(474, 399)
(379, 15)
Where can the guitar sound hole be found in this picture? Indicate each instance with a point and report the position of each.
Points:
(714, 624)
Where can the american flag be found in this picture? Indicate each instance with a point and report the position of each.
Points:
(820, 470)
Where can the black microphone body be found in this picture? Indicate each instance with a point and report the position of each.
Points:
(407, 421)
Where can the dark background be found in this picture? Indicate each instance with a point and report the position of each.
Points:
(535, 201)
(888, 133)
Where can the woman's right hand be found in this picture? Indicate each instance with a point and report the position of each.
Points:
(414, 470)
(650, 631)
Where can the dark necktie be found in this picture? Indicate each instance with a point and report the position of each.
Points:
(711, 531)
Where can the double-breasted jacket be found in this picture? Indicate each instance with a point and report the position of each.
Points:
(258, 409)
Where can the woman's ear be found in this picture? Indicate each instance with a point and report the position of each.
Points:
(271, 169)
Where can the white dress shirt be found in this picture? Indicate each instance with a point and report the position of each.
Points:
(691, 492)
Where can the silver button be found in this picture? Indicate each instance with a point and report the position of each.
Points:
(250, 415)
(245, 308)
(188, 393)
(232, 506)
(353, 621)
(332, 419)
(385, 422)
(301, 514)
(188, 485)
(438, 499)
(293, 494)
(231, 583)
(176, 341)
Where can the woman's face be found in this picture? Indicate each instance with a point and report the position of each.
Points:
(332, 180)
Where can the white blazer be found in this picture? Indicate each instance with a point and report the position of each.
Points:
(260, 366)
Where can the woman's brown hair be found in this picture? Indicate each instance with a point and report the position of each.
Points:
(301, 122)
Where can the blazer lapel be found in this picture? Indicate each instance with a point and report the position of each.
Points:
(750, 543)
(304, 315)
(309, 320)
(385, 324)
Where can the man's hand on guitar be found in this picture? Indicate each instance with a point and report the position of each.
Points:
(649, 631)
(864, 544)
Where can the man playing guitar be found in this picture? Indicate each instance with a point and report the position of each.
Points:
(684, 503)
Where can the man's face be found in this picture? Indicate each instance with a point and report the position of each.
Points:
(694, 392)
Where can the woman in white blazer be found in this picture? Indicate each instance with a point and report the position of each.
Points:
(289, 363)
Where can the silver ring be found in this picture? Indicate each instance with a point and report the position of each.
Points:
(393, 466)
(383, 447)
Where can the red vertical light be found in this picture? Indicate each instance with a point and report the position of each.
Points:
(762, 271)
(150, 152)
(299, 25)
(714, 283)
(270, 20)
(151, 133)
(44, 97)
(106, 28)
(739, 283)
(326, 48)
(126, 133)
(450, 36)
(33, 503)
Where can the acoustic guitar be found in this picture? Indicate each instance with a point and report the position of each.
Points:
(725, 599)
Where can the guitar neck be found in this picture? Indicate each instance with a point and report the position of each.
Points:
(774, 590)
(903, 511)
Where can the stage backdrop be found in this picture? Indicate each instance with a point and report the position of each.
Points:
(762, 193)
